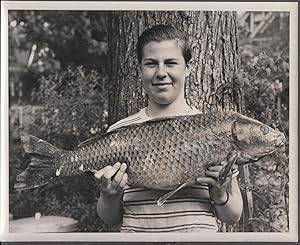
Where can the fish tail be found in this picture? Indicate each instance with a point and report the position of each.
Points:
(41, 169)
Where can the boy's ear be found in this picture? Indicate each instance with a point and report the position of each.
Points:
(188, 70)
(139, 66)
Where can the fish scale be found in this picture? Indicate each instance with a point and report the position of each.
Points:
(160, 153)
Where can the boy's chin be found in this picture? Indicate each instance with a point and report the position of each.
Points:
(164, 100)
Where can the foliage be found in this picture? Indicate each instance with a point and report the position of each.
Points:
(265, 82)
(42, 42)
(75, 103)
(74, 108)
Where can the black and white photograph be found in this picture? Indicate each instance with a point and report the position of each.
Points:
(135, 121)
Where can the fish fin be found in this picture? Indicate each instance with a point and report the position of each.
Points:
(247, 158)
(164, 198)
(41, 169)
(231, 159)
(92, 140)
(34, 145)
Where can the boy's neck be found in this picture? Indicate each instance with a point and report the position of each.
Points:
(174, 109)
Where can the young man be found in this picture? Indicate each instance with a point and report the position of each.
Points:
(164, 55)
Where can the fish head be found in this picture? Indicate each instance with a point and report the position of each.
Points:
(255, 138)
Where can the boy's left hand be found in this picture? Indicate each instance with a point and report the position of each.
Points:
(217, 192)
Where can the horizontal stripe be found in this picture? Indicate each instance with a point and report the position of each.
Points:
(201, 195)
(165, 216)
(140, 189)
(171, 213)
(134, 203)
(171, 220)
(169, 228)
(123, 123)
(196, 194)
(181, 198)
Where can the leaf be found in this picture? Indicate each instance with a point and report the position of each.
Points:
(285, 66)
(268, 71)
(271, 62)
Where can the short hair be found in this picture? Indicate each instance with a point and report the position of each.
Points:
(162, 33)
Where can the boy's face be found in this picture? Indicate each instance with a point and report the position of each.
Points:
(163, 71)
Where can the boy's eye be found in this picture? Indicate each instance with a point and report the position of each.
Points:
(150, 64)
(171, 64)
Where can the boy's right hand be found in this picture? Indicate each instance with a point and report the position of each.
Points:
(112, 179)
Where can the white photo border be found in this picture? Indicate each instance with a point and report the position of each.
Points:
(291, 236)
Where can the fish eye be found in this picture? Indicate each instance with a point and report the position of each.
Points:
(265, 130)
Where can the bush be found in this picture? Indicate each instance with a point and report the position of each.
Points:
(265, 82)
(74, 108)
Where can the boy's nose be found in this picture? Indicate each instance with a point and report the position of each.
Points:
(161, 72)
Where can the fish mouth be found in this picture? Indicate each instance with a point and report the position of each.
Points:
(258, 155)
(280, 144)
(281, 141)
(263, 154)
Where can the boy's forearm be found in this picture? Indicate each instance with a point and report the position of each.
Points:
(109, 208)
(231, 212)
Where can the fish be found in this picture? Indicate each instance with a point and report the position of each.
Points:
(164, 153)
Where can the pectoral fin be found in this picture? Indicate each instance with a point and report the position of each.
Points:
(230, 159)
(165, 197)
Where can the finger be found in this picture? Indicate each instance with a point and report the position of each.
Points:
(111, 172)
(215, 168)
(223, 163)
(207, 180)
(118, 177)
(123, 181)
(211, 174)
(100, 173)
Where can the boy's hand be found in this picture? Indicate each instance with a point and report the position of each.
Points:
(112, 178)
(217, 192)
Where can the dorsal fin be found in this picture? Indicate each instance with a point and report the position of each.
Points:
(91, 140)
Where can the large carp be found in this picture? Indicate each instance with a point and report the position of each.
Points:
(161, 154)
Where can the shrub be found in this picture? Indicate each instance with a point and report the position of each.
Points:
(74, 108)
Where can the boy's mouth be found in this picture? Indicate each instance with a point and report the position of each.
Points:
(161, 84)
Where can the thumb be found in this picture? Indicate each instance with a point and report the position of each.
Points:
(207, 180)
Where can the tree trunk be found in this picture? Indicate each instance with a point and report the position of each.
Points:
(213, 38)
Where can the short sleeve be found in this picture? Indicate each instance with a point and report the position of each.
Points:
(235, 173)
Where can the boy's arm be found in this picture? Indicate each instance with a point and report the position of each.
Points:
(109, 208)
(112, 180)
(228, 206)
(231, 211)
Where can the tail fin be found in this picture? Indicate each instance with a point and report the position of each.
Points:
(41, 169)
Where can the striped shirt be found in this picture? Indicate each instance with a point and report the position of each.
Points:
(188, 210)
